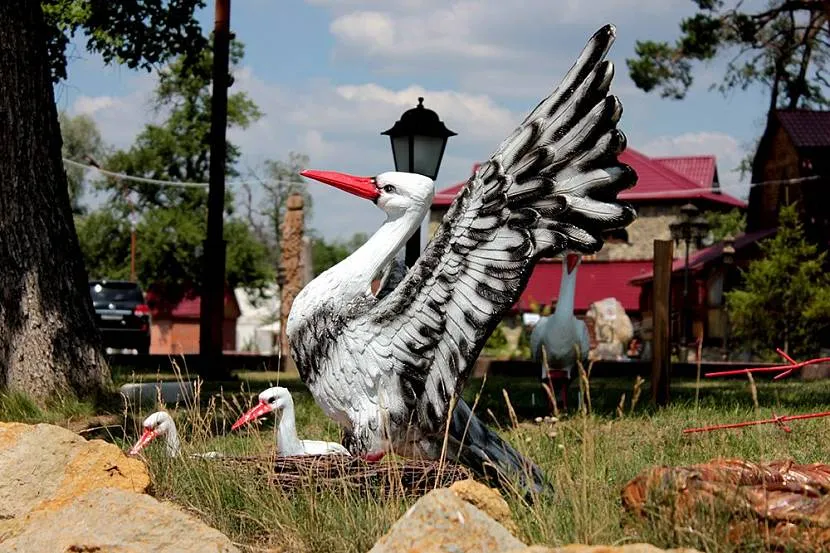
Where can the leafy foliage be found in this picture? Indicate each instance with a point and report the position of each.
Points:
(783, 46)
(137, 33)
(784, 300)
(282, 179)
(731, 223)
(172, 221)
(325, 255)
(81, 138)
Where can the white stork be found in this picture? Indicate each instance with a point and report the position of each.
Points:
(161, 424)
(389, 369)
(561, 333)
(279, 400)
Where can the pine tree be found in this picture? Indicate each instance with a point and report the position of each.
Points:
(784, 300)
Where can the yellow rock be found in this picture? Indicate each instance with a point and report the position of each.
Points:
(488, 500)
(43, 466)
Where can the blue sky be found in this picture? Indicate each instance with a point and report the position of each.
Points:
(331, 74)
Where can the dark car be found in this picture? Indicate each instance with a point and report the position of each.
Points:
(121, 314)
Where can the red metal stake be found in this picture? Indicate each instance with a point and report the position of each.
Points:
(774, 420)
(786, 369)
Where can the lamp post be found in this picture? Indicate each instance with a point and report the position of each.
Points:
(418, 140)
(692, 227)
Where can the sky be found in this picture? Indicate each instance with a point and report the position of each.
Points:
(330, 75)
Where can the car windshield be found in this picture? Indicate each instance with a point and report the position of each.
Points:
(112, 291)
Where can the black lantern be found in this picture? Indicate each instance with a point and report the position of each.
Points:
(728, 264)
(692, 227)
(418, 141)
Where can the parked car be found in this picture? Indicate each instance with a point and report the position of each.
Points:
(121, 314)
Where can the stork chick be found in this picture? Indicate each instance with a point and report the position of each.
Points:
(288, 443)
(161, 424)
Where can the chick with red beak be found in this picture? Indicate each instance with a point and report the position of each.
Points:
(159, 424)
(288, 444)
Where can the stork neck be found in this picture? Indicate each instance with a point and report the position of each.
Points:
(567, 290)
(288, 443)
(368, 260)
(172, 441)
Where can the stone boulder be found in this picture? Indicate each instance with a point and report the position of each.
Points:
(44, 466)
(578, 548)
(461, 519)
(488, 500)
(112, 520)
(440, 522)
(61, 493)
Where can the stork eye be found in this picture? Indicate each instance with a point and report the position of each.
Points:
(388, 188)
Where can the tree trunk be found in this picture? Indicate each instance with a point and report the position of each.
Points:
(49, 343)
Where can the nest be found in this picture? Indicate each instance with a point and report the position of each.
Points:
(332, 472)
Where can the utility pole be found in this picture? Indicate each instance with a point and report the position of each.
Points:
(213, 280)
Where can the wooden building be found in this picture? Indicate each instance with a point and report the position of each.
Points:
(792, 165)
(174, 329)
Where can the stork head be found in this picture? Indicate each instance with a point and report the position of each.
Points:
(272, 399)
(157, 424)
(393, 192)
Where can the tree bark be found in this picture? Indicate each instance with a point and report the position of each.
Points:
(49, 343)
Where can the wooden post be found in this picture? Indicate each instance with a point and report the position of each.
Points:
(212, 314)
(661, 353)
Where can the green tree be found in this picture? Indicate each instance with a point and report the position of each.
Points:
(723, 224)
(173, 220)
(281, 180)
(782, 45)
(325, 255)
(784, 300)
(139, 34)
(81, 138)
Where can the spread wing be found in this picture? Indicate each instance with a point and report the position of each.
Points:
(550, 187)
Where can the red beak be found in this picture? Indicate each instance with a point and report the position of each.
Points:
(253, 414)
(146, 438)
(363, 187)
(573, 259)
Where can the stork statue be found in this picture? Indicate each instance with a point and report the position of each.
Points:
(390, 368)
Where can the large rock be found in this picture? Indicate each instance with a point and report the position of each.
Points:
(488, 500)
(443, 522)
(44, 466)
(111, 520)
(578, 548)
(61, 493)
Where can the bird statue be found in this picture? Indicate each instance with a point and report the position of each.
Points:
(555, 340)
(391, 371)
(161, 424)
(288, 443)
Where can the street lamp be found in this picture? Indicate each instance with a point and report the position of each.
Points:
(692, 227)
(418, 140)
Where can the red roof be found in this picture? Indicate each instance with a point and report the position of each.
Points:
(656, 180)
(595, 280)
(807, 128)
(700, 258)
(188, 308)
(699, 169)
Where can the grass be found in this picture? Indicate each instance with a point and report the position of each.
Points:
(589, 457)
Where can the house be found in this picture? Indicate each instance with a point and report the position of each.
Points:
(258, 325)
(174, 329)
(792, 164)
(663, 186)
(711, 274)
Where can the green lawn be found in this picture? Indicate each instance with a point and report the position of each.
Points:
(588, 458)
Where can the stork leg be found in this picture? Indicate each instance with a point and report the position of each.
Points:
(373, 456)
